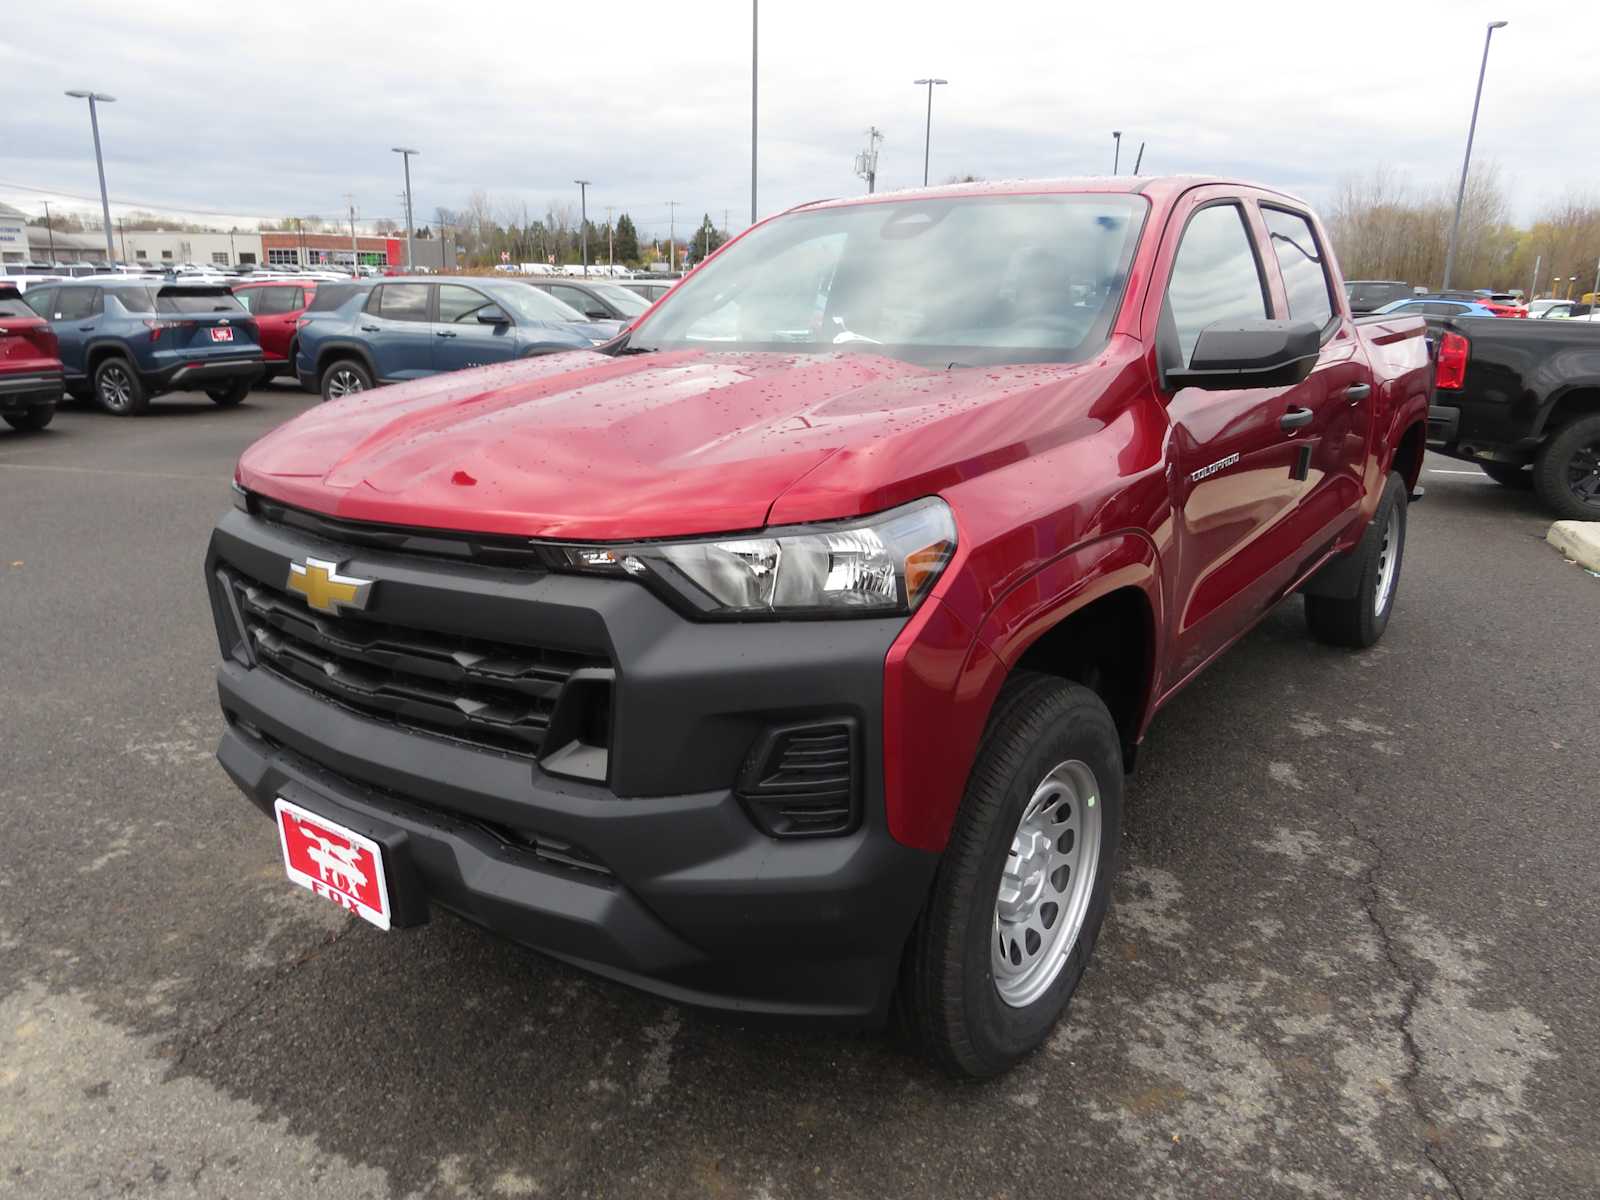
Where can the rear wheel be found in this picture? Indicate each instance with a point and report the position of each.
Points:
(1567, 472)
(32, 419)
(1511, 475)
(345, 378)
(117, 388)
(1358, 621)
(1023, 887)
(230, 394)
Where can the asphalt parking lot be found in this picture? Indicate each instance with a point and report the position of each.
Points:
(1352, 951)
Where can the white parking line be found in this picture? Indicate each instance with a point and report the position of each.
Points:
(1440, 471)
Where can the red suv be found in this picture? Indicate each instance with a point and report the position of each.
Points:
(30, 364)
(276, 304)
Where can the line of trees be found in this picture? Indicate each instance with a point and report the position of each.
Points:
(484, 229)
(1383, 228)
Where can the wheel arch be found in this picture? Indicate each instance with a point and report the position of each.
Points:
(98, 351)
(1575, 399)
(330, 353)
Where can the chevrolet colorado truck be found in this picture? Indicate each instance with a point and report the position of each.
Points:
(1522, 401)
(787, 654)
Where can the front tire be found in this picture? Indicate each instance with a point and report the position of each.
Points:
(231, 394)
(31, 420)
(1024, 884)
(344, 378)
(1567, 472)
(1358, 621)
(118, 390)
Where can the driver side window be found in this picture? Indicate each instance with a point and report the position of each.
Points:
(1215, 276)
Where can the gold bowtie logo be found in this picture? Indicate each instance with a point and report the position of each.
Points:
(325, 589)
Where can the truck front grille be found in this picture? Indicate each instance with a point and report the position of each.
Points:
(495, 695)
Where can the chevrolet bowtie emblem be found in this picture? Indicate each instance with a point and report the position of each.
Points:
(325, 589)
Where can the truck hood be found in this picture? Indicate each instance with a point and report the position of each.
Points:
(590, 447)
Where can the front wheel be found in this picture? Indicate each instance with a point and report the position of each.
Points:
(1567, 472)
(1024, 884)
(230, 394)
(31, 420)
(1357, 621)
(345, 378)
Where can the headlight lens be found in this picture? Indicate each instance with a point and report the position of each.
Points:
(874, 565)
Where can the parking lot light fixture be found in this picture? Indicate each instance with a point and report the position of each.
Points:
(1116, 153)
(99, 163)
(405, 152)
(1466, 161)
(583, 220)
(927, 131)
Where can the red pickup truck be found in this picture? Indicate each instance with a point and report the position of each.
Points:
(787, 653)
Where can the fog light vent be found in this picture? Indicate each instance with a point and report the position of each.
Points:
(802, 780)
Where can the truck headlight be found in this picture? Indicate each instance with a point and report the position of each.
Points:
(868, 566)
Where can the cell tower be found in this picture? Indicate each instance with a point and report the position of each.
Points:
(867, 160)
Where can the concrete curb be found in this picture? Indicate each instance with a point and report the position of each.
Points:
(1579, 540)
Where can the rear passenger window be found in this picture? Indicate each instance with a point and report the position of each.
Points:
(1305, 277)
(1214, 277)
(248, 297)
(77, 303)
(275, 301)
(41, 299)
(403, 301)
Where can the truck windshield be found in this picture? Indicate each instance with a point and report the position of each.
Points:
(969, 280)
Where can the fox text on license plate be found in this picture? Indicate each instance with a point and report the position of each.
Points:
(334, 862)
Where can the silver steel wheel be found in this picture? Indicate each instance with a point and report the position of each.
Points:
(1388, 560)
(116, 388)
(344, 382)
(1048, 880)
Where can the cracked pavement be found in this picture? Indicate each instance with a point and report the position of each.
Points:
(1351, 952)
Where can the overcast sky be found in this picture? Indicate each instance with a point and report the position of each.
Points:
(283, 108)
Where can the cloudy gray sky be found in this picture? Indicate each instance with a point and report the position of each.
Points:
(283, 108)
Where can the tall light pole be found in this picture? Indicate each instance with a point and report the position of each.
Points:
(1116, 154)
(94, 123)
(51, 230)
(1466, 161)
(927, 132)
(583, 219)
(755, 13)
(405, 152)
(672, 234)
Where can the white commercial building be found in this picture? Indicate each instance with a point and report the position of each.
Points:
(162, 247)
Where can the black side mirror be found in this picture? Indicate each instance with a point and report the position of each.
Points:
(493, 314)
(1250, 354)
(597, 314)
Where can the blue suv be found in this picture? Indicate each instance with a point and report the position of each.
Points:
(124, 341)
(356, 336)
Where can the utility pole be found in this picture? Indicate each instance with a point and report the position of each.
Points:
(1116, 155)
(355, 254)
(583, 220)
(1533, 288)
(122, 239)
(611, 244)
(672, 234)
(867, 160)
(1139, 159)
(405, 152)
(51, 230)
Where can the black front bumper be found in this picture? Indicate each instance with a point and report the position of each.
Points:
(18, 393)
(675, 888)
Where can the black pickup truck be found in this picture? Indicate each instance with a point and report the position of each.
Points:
(1522, 400)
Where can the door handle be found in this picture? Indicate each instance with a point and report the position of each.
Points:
(1295, 418)
(369, 329)
(86, 328)
(444, 332)
(1357, 392)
